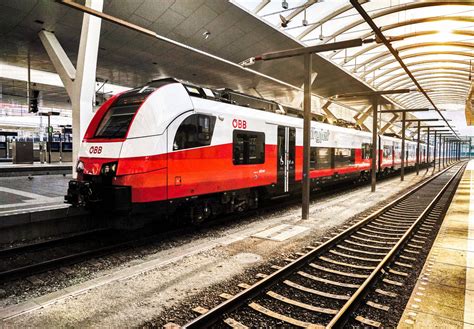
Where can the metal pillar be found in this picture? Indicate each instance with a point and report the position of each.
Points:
(469, 151)
(50, 137)
(306, 134)
(79, 82)
(418, 150)
(434, 152)
(450, 152)
(375, 104)
(428, 147)
(28, 83)
(440, 148)
(402, 169)
(444, 151)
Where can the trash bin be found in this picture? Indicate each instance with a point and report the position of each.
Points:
(22, 152)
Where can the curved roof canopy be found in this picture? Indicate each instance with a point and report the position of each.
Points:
(435, 39)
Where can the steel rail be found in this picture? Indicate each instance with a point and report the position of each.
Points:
(344, 313)
(381, 36)
(78, 257)
(215, 314)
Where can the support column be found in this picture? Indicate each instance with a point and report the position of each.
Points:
(84, 85)
(444, 151)
(418, 150)
(306, 134)
(375, 104)
(428, 147)
(434, 152)
(450, 152)
(79, 82)
(402, 169)
(469, 148)
(440, 148)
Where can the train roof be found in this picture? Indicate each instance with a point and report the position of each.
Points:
(246, 101)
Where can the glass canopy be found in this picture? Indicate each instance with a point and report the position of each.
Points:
(435, 39)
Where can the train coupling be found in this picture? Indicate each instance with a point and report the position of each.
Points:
(98, 196)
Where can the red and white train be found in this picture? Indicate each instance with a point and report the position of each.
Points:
(169, 143)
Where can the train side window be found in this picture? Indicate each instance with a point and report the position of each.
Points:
(387, 151)
(343, 157)
(195, 131)
(366, 151)
(248, 147)
(320, 158)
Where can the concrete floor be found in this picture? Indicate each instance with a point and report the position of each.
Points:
(139, 291)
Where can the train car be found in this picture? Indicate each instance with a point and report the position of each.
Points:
(170, 143)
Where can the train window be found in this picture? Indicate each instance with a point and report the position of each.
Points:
(387, 151)
(195, 131)
(366, 151)
(320, 158)
(248, 147)
(116, 121)
(343, 157)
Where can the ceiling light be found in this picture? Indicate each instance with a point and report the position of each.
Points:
(305, 21)
(284, 4)
(284, 21)
(206, 35)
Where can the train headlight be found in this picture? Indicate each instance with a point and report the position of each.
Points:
(109, 169)
(80, 166)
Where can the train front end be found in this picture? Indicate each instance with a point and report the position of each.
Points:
(122, 159)
(99, 156)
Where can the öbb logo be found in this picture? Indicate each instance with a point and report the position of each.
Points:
(95, 150)
(241, 124)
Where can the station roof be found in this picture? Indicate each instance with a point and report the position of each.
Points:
(437, 45)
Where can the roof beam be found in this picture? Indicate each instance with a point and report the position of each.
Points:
(429, 70)
(423, 45)
(380, 35)
(396, 9)
(260, 6)
(416, 55)
(418, 63)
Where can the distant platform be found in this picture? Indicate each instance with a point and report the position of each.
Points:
(29, 194)
(444, 294)
(7, 169)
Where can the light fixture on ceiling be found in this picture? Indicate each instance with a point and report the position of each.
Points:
(284, 21)
(206, 34)
(284, 4)
(321, 36)
(305, 21)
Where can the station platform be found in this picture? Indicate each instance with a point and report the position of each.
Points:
(7, 169)
(443, 296)
(33, 207)
(25, 194)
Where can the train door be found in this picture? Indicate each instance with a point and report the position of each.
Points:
(286, 158)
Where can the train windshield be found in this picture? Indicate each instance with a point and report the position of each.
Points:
(116, 121)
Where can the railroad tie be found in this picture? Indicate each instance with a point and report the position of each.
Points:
(235, 324)
(225, 295)
(200, 310)
(278, 316)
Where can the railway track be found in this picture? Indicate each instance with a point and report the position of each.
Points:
(26, 260)
(344, 279)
